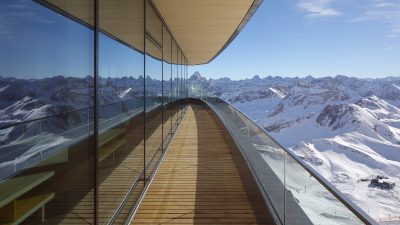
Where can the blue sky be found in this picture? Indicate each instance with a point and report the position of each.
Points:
(314, 37)
(36, 42)
(284, 38)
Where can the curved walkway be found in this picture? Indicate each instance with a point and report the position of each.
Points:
(203, 179)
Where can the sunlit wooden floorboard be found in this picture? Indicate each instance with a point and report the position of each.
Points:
(203, 179)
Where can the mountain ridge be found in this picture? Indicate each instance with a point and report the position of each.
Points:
(346, 128)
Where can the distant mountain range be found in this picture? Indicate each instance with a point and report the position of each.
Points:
(347, 128)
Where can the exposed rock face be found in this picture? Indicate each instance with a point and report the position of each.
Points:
(278, 126)
(336, 116)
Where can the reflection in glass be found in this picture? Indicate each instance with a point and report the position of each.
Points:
(121, 107)
(174, 59)
(179, 83)
(153, 130)
(167, 87)
(48, 163)
(154, 27)
(46, 151)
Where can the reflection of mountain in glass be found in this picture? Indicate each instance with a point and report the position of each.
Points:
(37, 98)
(27, 99)
(53, 113)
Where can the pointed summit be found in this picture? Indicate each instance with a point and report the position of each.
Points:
(196, 76)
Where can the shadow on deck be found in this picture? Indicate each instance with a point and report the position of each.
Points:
(203, 179)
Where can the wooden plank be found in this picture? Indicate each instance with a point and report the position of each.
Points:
(203, 179)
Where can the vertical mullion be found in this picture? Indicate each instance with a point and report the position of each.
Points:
(162, 89)
(186, 78)
(171, 91)
(177, 86)
(144, 93)
(95, 112)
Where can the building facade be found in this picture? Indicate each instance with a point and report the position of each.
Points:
(93, 93)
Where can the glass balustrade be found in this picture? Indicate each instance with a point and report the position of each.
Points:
(295, 192)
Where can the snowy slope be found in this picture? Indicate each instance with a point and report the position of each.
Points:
(348, 129)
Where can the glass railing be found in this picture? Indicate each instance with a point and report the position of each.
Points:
(295, 192)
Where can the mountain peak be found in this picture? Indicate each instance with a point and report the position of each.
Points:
(196, 76)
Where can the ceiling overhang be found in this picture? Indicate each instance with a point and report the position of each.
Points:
(201, 28)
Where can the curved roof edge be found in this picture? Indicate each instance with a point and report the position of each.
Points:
(203, 29)
(256, 4)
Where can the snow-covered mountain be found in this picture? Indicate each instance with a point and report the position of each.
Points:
(346, 128)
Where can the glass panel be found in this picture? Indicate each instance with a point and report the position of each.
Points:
(167, 82)
(305, 193)
(123, 19)
(181, 81)
(174, 84)
(121, 106)
(180, 74)
(178, 83)
(297, 195)
(185, 76)
(154, 26)
(187, 79)
(46, 115)
(153, 130)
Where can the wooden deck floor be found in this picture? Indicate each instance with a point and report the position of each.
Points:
(116, 176)
(203, 179)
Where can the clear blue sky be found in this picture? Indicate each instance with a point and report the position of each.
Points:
(36, 42)
(284, 38)
(314, 37)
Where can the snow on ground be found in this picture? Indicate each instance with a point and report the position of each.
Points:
(316, 202)
(124, 93)
(346, 129)
(279, 93)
